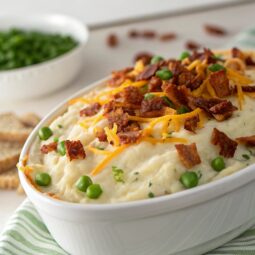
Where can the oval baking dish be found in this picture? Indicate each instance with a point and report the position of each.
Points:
(188, 222)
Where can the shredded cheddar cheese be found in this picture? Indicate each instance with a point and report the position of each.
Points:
(194, 64)
(112, 135)
(104, 162)
(164, 140)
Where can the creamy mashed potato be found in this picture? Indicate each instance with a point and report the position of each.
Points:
(148, 168)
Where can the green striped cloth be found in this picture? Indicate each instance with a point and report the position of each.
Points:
(26, 234)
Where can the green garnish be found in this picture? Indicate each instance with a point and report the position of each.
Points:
(94, 191)
(20, 48)
(144, 88)
(118, 174)
(168, 101)
(148, 96)
(45, 133)
(216, 68)
(182, 109)
(246, 156)
(55, 139)
(150, 184)
(156, 59)
(43, 179)
(100, 148)
(60, 126)
(218, 164)
(136, 173)
(151, 195)
(164, 74)
(185, 54)
(189, 180)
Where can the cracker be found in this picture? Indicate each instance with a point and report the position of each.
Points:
(9, 179)
(12, 129)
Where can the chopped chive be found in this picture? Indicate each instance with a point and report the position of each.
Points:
(168, 101)
(148, 96)
(246, 156)
(151, 195)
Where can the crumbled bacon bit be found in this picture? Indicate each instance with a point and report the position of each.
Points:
(248, 89)
(46, 148)
(100, 134)
(188, 154)
(132, 126)
(227, 145)
(215, 30)
(249, 61)
(218, 108)
(132, 95)
(129, 137)
(144, 56)
(247, 140)
(178, 95)
(167, 36)
(74, 150)
(112, 40)
(119, 117)
(149, 34)
(90, 110)
(190, 124)
(192, 45)
(220, 83)
(147, 73)
(118, 77)
(133, 33)
(236, 53)
(155, 84)
(152, 107)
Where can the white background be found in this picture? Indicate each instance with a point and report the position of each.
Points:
(99, 60)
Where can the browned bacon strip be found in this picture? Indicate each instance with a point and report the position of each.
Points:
(215, 30)
(220, 83)
(90, 110)
(227, 145)
(188, 154)
(190, 124)
(74, 150)
(147, 73)
(247, 140)
(152, 107)
(46, 148)
(129, 137)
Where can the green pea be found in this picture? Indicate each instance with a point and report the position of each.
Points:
(216, 68)
(94, 191)
(218, 164)
(189, 180)
(148, 96)
(83, 183)
(185, 54)
(164, 74)
(168, 101)
(43, 179)
(182, 109)
(61, 148)
(156, 59)
(45, 133)
(55, 139)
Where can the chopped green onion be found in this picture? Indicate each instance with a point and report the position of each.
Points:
(216, 68)
(118, 174)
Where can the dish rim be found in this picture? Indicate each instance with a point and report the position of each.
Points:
(44, 17)
(180, 199)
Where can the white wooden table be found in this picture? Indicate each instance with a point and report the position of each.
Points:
(100, 60)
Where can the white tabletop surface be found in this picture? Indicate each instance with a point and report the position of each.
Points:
(99, 60)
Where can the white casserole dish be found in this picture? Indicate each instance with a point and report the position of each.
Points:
(40, 79)
(189, 222)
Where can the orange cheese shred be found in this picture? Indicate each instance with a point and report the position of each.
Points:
(108, 159)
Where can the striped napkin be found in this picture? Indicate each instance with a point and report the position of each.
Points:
(26, 234)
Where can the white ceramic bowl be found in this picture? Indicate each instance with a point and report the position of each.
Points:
(43, 78)
(190, 222)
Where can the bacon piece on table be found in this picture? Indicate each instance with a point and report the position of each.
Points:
(74, 150)
(188, 154)
(215, 30)
(227, 145)
(46, 148)
(247, 140)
